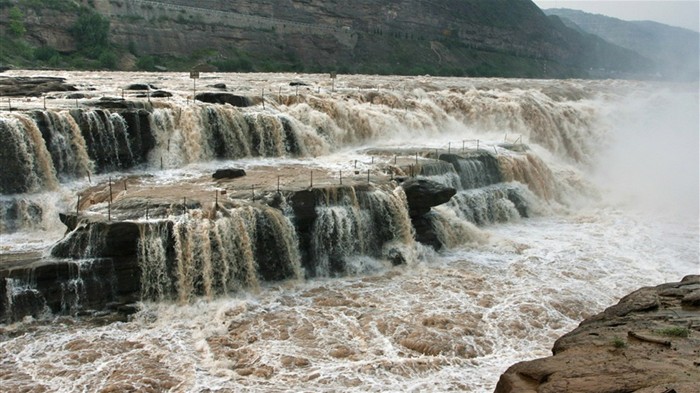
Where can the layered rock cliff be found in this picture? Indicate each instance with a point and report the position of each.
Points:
(451, 37)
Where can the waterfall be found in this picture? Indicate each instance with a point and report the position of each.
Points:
(359, 222)
(65, 143)
(26, 162)
(193, 255)
(19, 214)
(106, 138)
(205, 132)
(492, 204)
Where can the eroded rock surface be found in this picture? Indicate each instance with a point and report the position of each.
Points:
(649, 342)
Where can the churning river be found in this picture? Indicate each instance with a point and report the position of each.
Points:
(608, 171)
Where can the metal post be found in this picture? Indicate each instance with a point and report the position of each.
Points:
(355, 164)
(341, 178)
(368, 176)
(110, 190)
(394, 159)
(147, 206)
(372, 160)
(168, 144)
(109, 211)
(279, 95)
(124, 184)
(89, 179)
(312, 179)
(216, 198)
(77, 208)
(416, 158)
(496, 150)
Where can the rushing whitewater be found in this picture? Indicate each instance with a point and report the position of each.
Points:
(314, 272)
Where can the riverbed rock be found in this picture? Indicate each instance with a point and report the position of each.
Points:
(32, 86)
(224, 98)
(648, 342)
(228, 173)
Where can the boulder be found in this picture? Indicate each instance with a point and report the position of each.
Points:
(648, 342)
(224, 98)
(228, 173)
(161, 94)
(140, 86)
(422, 194)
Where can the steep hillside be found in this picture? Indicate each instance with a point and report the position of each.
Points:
(446, 37)
(674, 51)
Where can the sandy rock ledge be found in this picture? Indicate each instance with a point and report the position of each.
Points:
(647, 343)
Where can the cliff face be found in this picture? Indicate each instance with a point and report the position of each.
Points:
(454, 37)
(649, 342)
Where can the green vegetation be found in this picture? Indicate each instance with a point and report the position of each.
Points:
(675, 331)
(617, 342)
(16, 27)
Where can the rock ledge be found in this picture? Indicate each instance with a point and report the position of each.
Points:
(648, 343)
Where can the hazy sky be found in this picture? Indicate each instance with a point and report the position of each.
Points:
(684, 13)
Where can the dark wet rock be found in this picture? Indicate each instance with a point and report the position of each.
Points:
(422, 194)
(648, 342)
(76, 96)
(228, 173)
(224, 98)
(32, 86)
(219, 86)
(298, 83)
(141, 86)
(161, 94)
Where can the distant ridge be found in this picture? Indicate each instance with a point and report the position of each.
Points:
(674, 51)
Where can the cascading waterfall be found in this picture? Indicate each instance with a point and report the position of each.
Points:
(27, 165)
(205, 132)
(353, 223)
(491, 204)
(106, 137)
(192, 255)
(65, 143)
(19, 213)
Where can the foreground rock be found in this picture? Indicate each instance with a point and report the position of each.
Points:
(649, 342)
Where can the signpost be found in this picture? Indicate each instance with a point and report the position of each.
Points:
(333, 76)
(194, 75)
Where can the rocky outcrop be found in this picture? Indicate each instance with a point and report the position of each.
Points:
(224, 98)
(32, 86)
(649, 342)
(423, 194)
